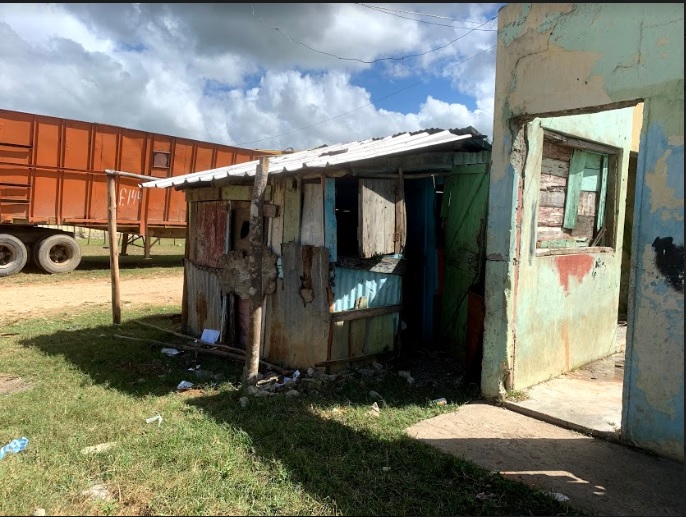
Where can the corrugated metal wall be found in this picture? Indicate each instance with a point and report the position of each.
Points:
(204, 298)
(379, 289)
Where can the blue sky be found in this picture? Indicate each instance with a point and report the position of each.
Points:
(256, 75)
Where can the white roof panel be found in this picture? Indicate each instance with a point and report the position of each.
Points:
(319, 157)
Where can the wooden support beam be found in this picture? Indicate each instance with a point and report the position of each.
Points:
(252, 353)
(114, 257)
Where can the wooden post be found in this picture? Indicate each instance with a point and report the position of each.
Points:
(252, 351)
(114, 257)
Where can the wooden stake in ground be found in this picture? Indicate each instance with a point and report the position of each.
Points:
(252, 351)
(114, 256)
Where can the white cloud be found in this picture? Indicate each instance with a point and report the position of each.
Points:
(214, 72)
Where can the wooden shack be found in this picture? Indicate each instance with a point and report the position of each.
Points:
(363, 240)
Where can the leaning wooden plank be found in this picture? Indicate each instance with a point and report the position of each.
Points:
(185, 336)
(357, 314)
(213, 351)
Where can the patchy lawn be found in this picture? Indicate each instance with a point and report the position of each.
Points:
(319, 453)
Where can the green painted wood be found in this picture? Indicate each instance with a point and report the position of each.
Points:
(591, 179)
(464, 210)
(600, 218)
(559, 243)
(467, 169)
(380, 333)
(577, 165)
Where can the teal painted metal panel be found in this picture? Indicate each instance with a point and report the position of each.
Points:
(330, 218)
(379, 289)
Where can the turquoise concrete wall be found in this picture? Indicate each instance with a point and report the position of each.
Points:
(561, 59)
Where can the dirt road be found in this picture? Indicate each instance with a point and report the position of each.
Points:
(27, 300)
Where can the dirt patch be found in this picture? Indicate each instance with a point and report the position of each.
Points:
(10, 384)
(30, 301)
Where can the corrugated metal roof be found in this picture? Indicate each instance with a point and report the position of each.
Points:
(324, 156)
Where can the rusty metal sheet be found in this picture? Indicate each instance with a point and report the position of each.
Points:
(298, 317)
(61, 163)
(204, 299)
(208, 237)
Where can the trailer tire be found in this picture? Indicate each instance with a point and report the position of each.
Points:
(13, 255)
(57, 254)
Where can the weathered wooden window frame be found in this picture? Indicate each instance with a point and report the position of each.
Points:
(606, 198)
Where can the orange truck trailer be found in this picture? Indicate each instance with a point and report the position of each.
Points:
(52, 172)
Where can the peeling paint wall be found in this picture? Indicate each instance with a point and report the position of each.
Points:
(566, 305)
(563, 59)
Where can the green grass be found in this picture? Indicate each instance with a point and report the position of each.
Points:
(313, 455)
(167, 259)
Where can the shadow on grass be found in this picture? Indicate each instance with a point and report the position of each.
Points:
(362, 465)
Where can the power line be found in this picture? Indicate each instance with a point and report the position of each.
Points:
(369, 61)
(419, 14)
(387, 11)
(362, 106)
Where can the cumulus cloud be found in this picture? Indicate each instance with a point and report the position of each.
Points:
(218, 72)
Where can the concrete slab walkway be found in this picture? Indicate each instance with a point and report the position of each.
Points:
(599, 477)
(588, 400)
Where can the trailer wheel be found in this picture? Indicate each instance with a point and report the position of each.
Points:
(57, 254)
(13, 255)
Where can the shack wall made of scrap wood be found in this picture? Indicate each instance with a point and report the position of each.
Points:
(298, 313)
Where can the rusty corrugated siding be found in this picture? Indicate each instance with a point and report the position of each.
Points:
(204, 298)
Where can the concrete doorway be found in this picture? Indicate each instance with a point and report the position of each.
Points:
(588, 399)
